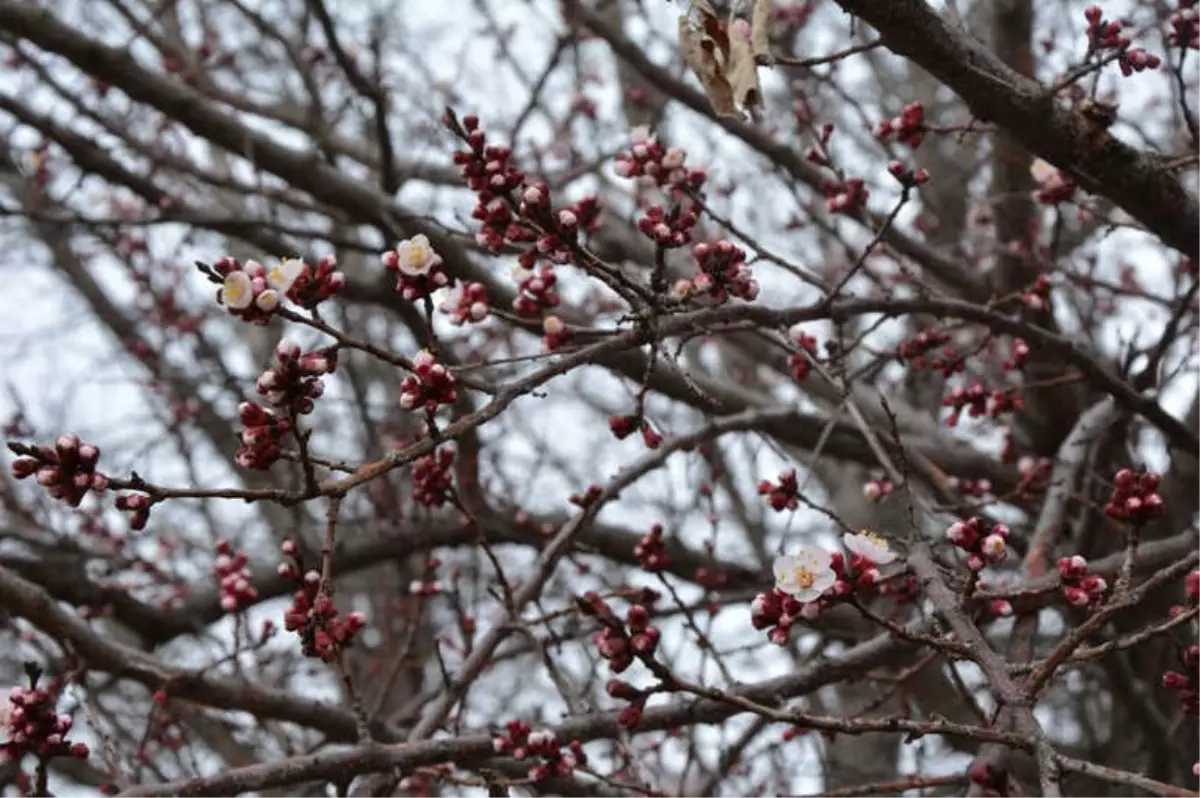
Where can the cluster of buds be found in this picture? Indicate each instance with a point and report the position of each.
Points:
(558, 239)
(1106, 35)
(1053, 186)
(264, 432)
(875, 490)
(784, 495)
(991, 779)
(800, 364)
(555, 332)
(489, 172)
(1080, 588)
(618, 642)
(34, 727)
(432, 480)
(970, 487)
(1185, 683)
(312, 616)
(777, 612)
(907, 128)
(587, 498)
(138, 504)
(669, 229)
(535, 290)
(512, 210)
(313, 286)
(928, 349)
(251, 291)
(419, 270)
(908, 177)
(723, 272)
(520, 742)
(1019, 353)
(233, 577)
(651, 550)
(979, 401)
(296, 382)
(1185, 27)
(664, 167)
(429, 386)
(1134, 498)
(624, 426)
(848, 197)
(466, 304)
(67, 470)
(630, 715)
(1035, 474)
(982, 544)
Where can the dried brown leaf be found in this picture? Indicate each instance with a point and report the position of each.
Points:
(742, 72)
(707, 60)
(760, 27)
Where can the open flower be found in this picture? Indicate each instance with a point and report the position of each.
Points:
(283, 274)
(869, 546)
(237, 292)
(805, 575)
(416, 256)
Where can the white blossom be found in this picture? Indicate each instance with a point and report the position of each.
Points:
(869, 546)
(417, 257)
(283, 274)
(804, 575)
(237, 292)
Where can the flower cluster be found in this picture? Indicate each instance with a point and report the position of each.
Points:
(1019, 353)
(807, 582)
(651, 550)
(620, 642)
(1080, 588)
(33, 727)
(432, 480)
(555, 332)
(430, 385)
(233, 577)
(312, 616)
(465, 304)
(1106, 35)
(800, 365)
(297, 381)
(419, 270)
(723, 272)
(1053, 186)
(264, 432)
(139, 505)
(907, 128)
(521, 742)
(784, 495)
(252, 292)
(67, 470)
(982, 542)
(313, 286)
(1134, 498)
(1185, 683)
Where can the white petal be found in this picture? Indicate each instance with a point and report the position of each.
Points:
(268, 300)
(784, 567)
(815, 559)
(236, 292)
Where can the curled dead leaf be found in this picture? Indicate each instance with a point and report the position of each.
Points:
(723, 54)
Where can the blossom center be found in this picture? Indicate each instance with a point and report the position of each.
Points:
(803, 577)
